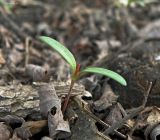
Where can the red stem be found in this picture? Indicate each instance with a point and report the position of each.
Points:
(67, 97)
(64, 107)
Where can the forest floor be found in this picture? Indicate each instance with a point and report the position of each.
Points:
(34, 79)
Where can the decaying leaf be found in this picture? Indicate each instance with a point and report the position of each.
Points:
(15, 137)
(85, 127)
(114, 115)
(71, 115)
(15, 56)
(106, 100)
(152, 131)
(5, 133)
(154, 116)
(57, 126)
(46, 138)
(12, 120)
(155, 133)
(50, 106)
(48, 99)
(30, 128)
(23, 133)
(2, 60)
(37, 73)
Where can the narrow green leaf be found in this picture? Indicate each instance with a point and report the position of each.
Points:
(115, 76)
(67, 55)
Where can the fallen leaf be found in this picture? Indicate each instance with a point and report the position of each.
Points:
(37, 73)
(48, 98)
(154, 116)
(4, 132)
(106, 100)
(57, 126)
(2, 60)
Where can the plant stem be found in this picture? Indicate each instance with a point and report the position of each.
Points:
(67, 97)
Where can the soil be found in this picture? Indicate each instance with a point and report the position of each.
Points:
(34, 79)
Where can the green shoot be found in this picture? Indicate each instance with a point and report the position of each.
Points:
(65, 53)
(107, 73)
(76, 71)
(7, 6)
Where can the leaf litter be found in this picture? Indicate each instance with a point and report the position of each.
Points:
(115, 38)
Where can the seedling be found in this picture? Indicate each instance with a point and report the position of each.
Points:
(8, 6)
(76, 68)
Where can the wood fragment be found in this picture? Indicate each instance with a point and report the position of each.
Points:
(22, 100)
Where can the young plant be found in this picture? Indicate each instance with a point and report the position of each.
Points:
(76, 68)
(8, 6)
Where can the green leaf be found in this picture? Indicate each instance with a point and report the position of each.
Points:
(115, 76)
(67, 55)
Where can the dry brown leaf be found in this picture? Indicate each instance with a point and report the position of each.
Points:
(2, 60)
(106, 100)
(154, 116)
(50, 106)
(38, 73)
(57, 126)
(114, 115)
(15, 137)
(4, 132)
(48, 98)
(12, 120)
(46, 138)
(30, 128)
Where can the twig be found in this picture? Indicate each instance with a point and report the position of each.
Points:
(143, 105)
(117, 125)
(152, 39)
(84, 106)
(102, 122)
(27, 40)
(103, 136)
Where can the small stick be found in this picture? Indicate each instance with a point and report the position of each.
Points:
(143, 105)
(103, 136)
(129, 116)
(27, 40)
(102, 122)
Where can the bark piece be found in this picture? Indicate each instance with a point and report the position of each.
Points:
(23, 100)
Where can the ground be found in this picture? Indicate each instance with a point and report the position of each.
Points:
(34, 79)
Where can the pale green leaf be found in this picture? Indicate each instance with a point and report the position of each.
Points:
(115, 76)
(67, 55)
